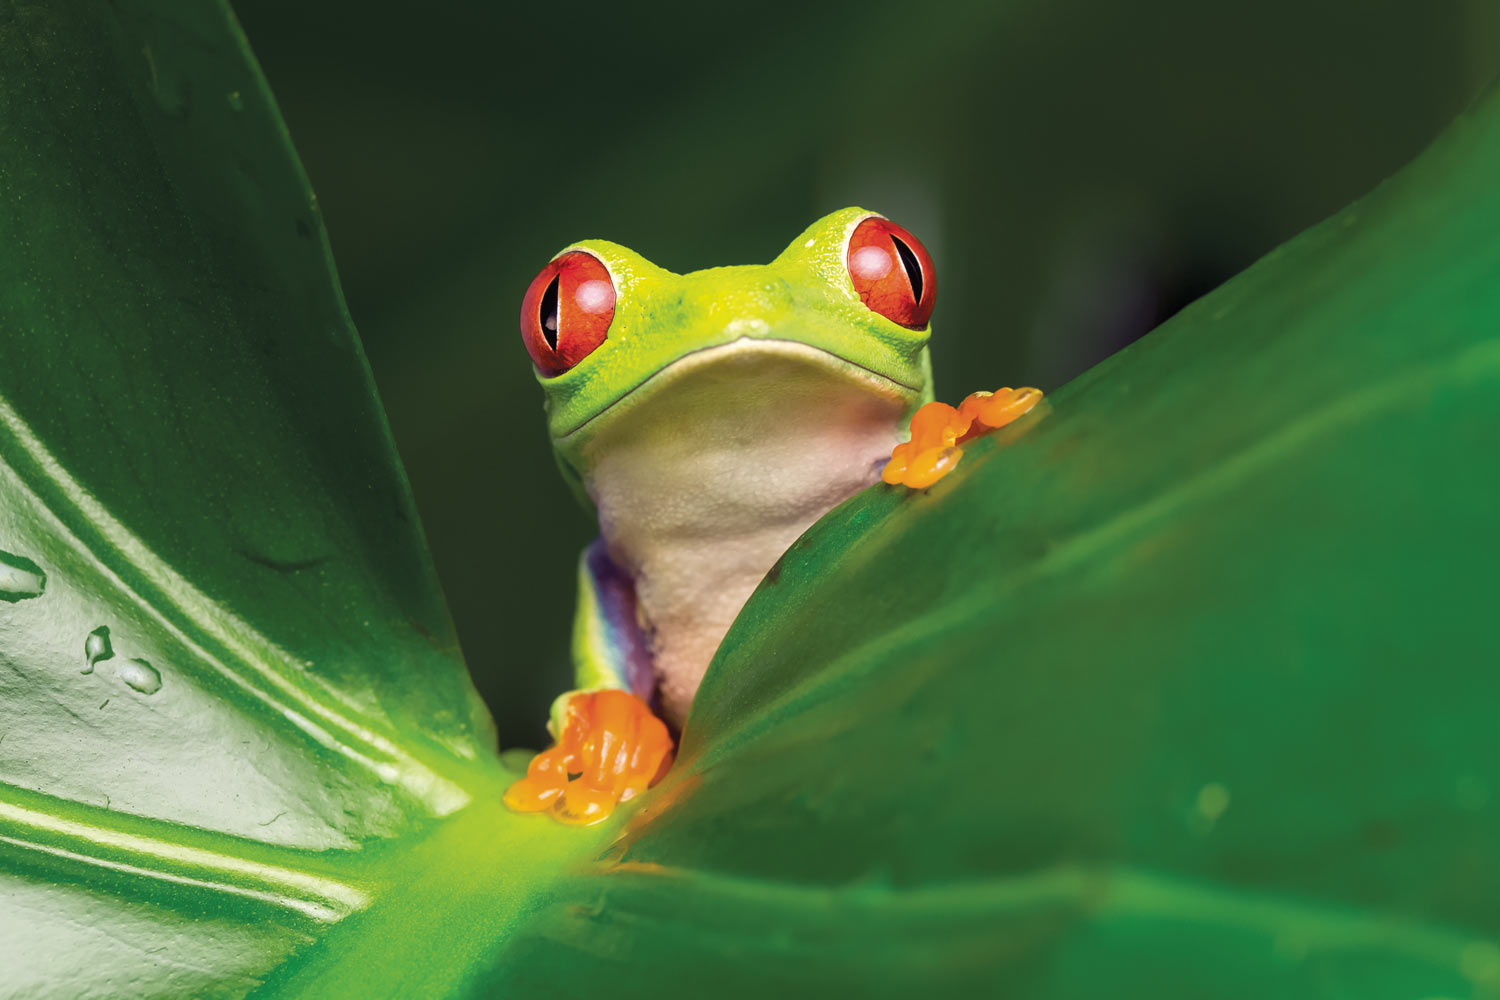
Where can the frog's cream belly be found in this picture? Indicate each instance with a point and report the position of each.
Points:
(705, 476)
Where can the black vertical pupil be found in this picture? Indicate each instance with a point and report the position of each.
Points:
(913, 268)
(548, 313)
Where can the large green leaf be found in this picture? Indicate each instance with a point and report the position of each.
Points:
(193, 459)
(1183, 688)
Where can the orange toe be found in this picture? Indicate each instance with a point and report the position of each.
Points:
(937, 423)
(583, 806)
(993, 410)
(931, 465)
(895, 470)
(546, 777)
(531, 796)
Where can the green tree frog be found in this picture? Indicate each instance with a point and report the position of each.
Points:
(710, 418)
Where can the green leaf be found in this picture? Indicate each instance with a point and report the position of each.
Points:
(1183, 687)
(197, 486)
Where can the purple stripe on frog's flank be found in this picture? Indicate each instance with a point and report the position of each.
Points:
(627, 643)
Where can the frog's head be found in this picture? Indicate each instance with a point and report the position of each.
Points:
(609, 332)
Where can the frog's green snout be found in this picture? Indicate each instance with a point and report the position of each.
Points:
(755, 300)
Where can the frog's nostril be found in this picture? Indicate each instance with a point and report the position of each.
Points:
(772, 294)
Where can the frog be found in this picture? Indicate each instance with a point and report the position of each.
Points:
(709, 419)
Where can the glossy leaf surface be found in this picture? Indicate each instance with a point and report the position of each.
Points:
(195, 464)
(1184, 687)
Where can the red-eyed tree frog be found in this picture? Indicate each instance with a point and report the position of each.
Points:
(710, 418)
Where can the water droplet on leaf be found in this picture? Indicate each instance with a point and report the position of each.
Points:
(96, 647)
(140, 675)
(20, 578)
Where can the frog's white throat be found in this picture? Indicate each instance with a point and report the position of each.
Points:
(705, 475)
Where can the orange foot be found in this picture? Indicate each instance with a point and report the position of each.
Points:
(938, 429)
(611, 749)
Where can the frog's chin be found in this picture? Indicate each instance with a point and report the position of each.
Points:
(748, 359)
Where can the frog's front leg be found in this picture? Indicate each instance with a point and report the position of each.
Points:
(609, 745)
(938, 430)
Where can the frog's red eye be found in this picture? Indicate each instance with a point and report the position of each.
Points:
(566, 312)
(892, 272)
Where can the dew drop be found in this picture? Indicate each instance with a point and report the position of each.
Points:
(20, 578)
(235, 101)
(140, 675)
(96, 647)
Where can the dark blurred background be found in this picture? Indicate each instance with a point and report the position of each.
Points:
(1079, 171)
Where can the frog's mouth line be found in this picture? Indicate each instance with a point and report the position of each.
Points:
(792, 347)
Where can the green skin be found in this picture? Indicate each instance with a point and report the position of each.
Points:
(727, 410)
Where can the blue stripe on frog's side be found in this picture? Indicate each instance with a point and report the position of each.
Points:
(609, 648)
